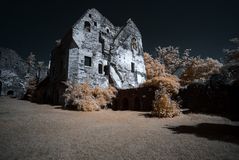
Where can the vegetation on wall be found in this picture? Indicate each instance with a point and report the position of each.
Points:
(170, 70)
(83, 97)
(167, 84)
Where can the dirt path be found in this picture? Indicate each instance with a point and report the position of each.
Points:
(31, 131)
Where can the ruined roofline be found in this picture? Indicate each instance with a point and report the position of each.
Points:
(95, 10)
(129, 21)
(63, 39)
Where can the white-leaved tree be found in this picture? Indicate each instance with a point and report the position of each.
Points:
(230, 70)
(232, 55)
(31, 61)
(172, 58)
(200, 70)
(40, 67)
(188, 68)
(169, 70)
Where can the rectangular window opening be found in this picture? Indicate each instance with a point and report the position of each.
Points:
(100, 69)
(132, 67)
(87, 61)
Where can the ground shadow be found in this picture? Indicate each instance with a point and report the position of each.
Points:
(59, 107)
(214, 97)
(146, 115)
(219, 132)
(66, 109)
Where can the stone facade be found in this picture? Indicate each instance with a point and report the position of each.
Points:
(97, 52)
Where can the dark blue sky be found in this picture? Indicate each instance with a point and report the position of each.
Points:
(204, 26)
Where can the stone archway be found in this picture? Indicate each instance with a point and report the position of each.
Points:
(125, 104)
(10, 93)
(137, 104)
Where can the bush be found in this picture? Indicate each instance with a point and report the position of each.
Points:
(104, 96)
(168, 82)
(83, 97)
(164, 106)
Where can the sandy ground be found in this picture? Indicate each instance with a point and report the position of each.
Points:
(32, 131)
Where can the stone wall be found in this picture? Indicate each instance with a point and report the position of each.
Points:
(212, 98)
(138, 99)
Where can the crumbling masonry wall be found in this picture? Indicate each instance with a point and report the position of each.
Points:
(102, 54)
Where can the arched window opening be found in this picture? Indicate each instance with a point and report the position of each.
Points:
(107, 30)
(100, 68)
(87, 26)
(90, 15)
(134, 43)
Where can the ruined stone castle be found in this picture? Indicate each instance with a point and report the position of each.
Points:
(97, 52)
(15, 73)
